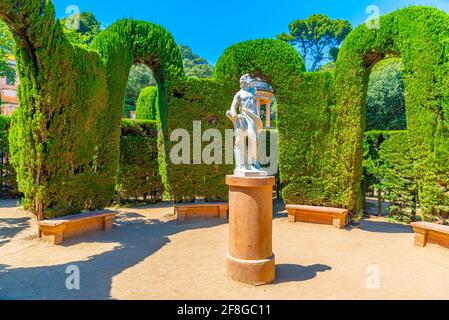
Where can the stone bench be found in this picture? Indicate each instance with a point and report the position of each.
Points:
(426, 232)
(314, 214)
(202, 211)
(62, 228)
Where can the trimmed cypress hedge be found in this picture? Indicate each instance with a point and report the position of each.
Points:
(273, 60)
(305, 125)
(147, 104)
(206, 101)
(139, 170)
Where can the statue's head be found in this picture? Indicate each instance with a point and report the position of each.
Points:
(245, 82)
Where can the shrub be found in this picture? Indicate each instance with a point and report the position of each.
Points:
(147, 104)
(139, 172)
(388, 166)
(8, 183)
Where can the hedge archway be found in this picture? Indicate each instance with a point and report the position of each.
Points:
(420, 35)
(65, 137)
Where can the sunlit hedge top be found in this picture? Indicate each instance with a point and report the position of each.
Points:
(274, 60)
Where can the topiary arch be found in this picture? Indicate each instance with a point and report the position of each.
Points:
(420, 35)
(65, 136)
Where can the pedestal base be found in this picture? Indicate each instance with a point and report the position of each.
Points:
(250, 257)
(255, 272)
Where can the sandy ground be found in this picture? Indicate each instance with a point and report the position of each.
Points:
(148, 255)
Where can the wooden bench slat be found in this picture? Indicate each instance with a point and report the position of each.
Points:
(202, 210)
(317, 209)
(76, 217)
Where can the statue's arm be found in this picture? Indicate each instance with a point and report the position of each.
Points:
(235, 104)
(232, 113)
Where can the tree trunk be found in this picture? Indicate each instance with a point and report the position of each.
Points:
(379, 203)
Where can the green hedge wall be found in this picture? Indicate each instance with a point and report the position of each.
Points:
(206, 101)
(420, 36)
(304, 137)
(147, 104)
(139, 169)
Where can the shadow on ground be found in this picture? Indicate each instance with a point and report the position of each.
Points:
(9, 227)
(137, 237)
(384, 227)
(294, 272)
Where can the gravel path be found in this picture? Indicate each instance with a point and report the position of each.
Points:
(149, 255)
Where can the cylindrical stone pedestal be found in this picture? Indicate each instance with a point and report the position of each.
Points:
(250, 256)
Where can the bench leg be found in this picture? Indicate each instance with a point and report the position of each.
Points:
(223, 213)
(338, 223)
(58, 237)
(181, 214)
(108, 223)
(420, 239)
(291, 215)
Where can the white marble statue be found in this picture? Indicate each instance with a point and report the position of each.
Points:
(247, 125)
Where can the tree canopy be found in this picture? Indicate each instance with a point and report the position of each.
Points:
(6, 49)
(194, 65)
(85, 24)
(317, 38)
(385, 103)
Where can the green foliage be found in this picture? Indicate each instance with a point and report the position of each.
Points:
(194, 65)
(139, 172)
(317, 38)
(420, 36)
(388, 166)
(140, 77)
(84, 26)
(385, 102)
(6, 49)
(147, 105)
(8, 183)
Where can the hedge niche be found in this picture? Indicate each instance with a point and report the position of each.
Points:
(139, 170)
(420, 36)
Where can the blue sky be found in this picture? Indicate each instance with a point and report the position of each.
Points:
(209, 27)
